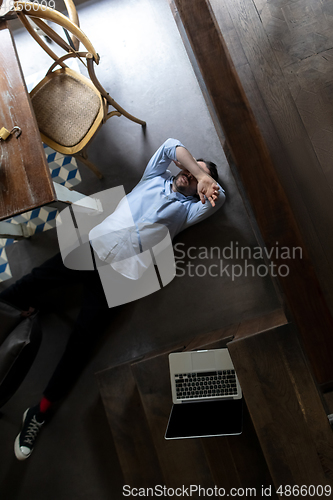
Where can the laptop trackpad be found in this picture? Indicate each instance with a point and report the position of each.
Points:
(203, 360)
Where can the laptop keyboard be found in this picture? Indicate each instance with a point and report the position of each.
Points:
(206, 384)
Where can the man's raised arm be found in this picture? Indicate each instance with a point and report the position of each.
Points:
(207, 187)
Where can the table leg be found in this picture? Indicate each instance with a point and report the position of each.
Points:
(69, 196)
(14, 231)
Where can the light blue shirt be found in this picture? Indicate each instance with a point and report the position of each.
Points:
(152, 201)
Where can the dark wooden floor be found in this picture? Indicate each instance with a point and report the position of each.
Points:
(282, 50)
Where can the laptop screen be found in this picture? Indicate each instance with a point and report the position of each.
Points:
(205, 419)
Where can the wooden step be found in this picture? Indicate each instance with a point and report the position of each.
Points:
(251, 326)
(228, 462)
(182, 461)
(129, 427)
(237, 461)
(287, 439)
(137, 399)
(286, 407)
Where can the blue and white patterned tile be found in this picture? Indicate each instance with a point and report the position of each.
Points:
(37, 221)
(5, 273)
(64, 169)
(42, 219)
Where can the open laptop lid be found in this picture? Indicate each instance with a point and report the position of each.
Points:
(205, 419)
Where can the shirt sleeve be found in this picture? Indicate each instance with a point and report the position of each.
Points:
(199, 211)
(160, 161)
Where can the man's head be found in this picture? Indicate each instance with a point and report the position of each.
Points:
(211, 167)
(186, 183)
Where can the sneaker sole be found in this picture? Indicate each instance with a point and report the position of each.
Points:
(18, 453)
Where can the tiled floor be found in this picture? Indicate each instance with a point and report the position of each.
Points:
(145, 67)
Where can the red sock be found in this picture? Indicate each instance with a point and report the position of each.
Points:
(44, 405)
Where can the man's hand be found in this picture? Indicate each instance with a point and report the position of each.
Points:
(208, 188)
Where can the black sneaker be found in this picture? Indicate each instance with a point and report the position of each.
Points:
(33, 420)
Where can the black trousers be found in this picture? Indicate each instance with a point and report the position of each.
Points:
(90, 323)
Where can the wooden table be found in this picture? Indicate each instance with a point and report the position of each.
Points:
(25, 180)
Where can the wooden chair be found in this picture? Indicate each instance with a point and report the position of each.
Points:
(69, 107)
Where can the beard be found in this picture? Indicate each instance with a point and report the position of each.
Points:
(179, 187)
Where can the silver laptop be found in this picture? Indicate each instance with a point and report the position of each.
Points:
(203, 375)
(206, 394)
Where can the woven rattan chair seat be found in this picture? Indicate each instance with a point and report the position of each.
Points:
(65, 108)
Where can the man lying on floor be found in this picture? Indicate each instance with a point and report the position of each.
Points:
(176, 202)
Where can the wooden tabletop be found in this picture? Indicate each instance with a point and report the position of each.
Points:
(25, 180)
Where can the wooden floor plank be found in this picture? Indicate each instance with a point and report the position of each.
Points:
(249, 458)
(299, 150)
(318, 252)
(261, 324)
(237, 461)
(221, 463)
(131, 434)
(285, 407)
(183, 461)
(219, 338)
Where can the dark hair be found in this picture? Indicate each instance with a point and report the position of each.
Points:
(211, 167)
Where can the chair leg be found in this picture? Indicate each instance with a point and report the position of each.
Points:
(104, 93)
(82, 156)
(113, 103)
